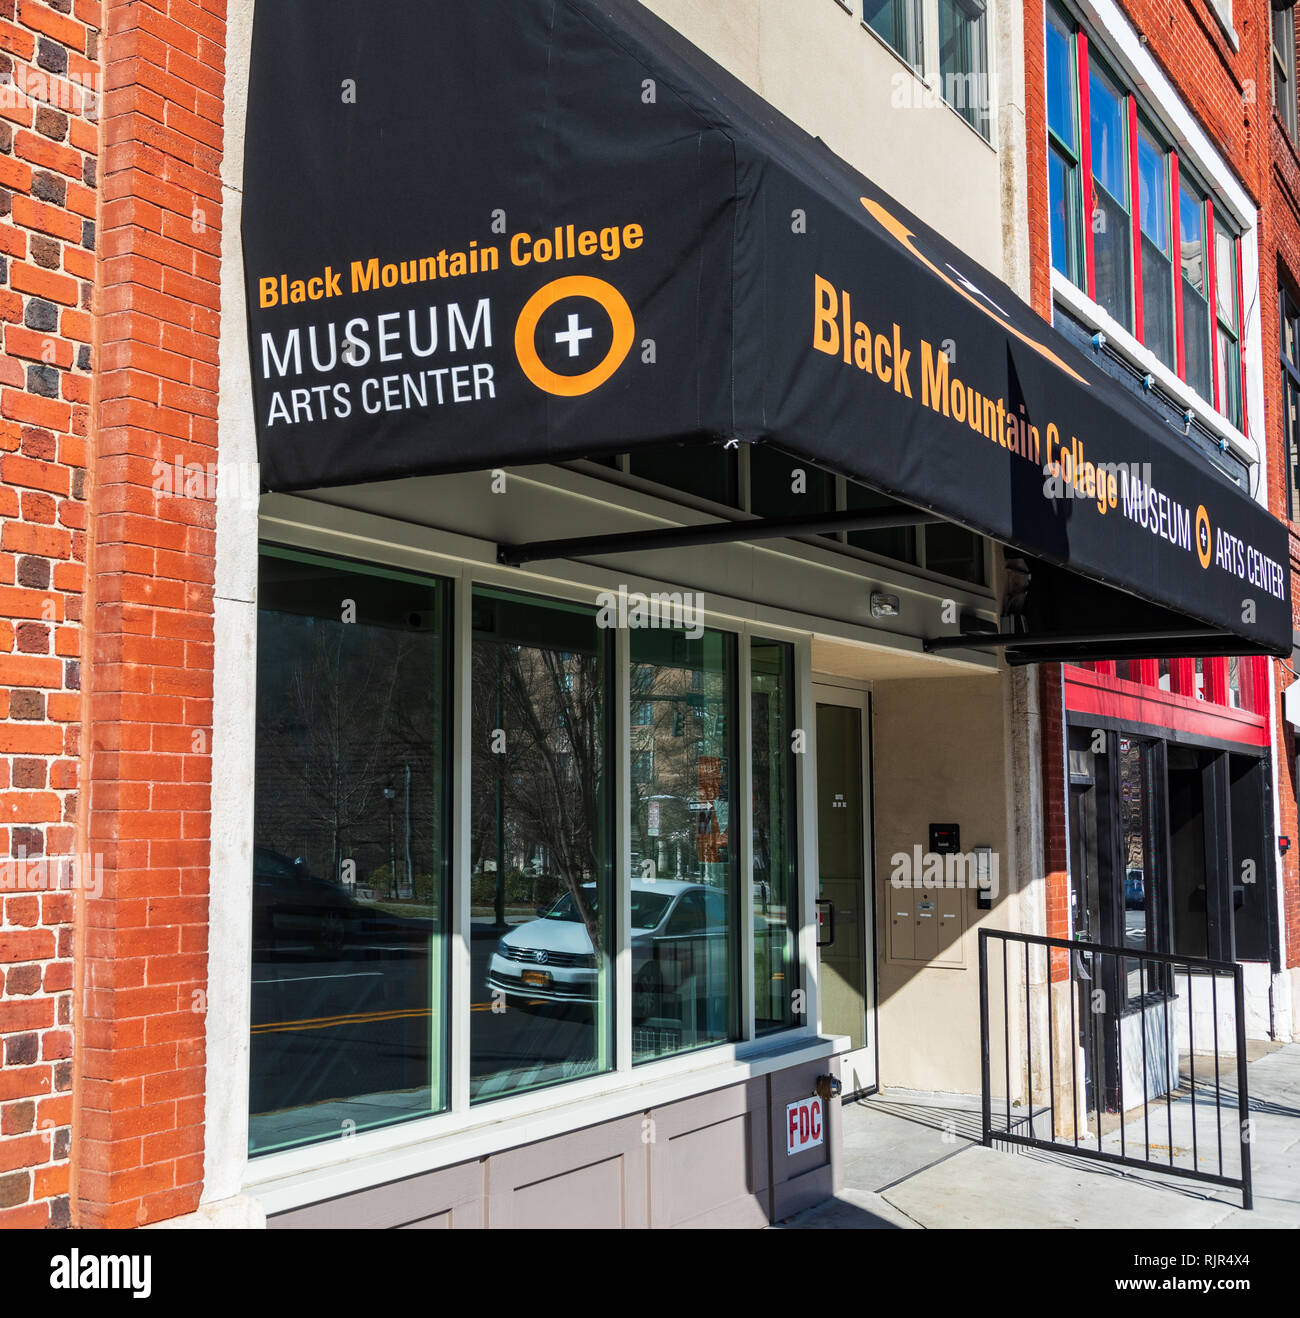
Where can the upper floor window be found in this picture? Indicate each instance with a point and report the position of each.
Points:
(898, 22)
(1194, 291)
(1157, 247)
(1284, 90)
(1289, 311)
(1138, 234)
(1063, 150)
(1228, 336)
(1112, 234)
(963, 60)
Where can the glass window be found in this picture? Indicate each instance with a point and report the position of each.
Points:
(1157, 249)
(708, 471)
(1284, 88)
(955, 552)
(684, 967)
(1196, 302)
(1063, 150)
(898, 543)
(1138, 834)
(1227, 332)
(1112, 240)
(1060, 79)
(776, 868)
(540, 844)
(1290, 339)
(963, 65)
(782, 486)
(350, 857)
(898, 22)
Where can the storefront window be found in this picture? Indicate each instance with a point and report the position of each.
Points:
(706, 471)
(683, 881)
(898, 543)
(1139, 852)
(775, 913)
(350, 850)
(953, 551)
(540, 844)
(782, 486)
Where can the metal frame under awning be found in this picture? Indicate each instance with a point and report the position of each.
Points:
(714, 533)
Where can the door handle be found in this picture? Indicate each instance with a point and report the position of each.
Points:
(830, 921)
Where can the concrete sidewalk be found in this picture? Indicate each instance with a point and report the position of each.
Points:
(915, 1161)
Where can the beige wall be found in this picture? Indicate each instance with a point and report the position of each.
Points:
(816, 62)
(938, 757)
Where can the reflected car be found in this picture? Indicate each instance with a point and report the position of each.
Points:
(676, 925)
(1135, 890)
(294, 911)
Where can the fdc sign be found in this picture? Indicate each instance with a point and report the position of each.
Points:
(804, 1127)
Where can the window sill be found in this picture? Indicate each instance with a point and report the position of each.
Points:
(1143, 359)
(296, 1177)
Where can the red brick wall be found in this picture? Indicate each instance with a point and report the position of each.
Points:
(141, 1051)
(48, 172)
(1230, 93)
(110, 224)
(1280, 264)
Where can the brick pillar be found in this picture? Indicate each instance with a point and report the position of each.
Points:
(144, 970)
(48, 168)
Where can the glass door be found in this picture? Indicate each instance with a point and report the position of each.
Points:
(845, 917)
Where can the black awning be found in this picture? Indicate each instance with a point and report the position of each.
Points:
(528, 230)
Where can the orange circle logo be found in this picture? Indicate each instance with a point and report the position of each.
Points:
(1204, 537)
(610, 300)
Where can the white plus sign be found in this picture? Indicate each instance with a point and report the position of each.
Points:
(573, 336)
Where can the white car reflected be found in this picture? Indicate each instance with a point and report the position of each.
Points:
(679, 931)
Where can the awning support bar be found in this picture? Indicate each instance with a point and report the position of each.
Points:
(713, 533)
(1027, 640)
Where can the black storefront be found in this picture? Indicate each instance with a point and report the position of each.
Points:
(598, 242)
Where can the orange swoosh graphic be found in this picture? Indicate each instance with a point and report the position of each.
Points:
(904, 235)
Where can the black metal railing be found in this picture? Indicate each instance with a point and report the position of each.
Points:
(1104, 1049)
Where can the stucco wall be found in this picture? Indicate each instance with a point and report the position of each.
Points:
(939, 757)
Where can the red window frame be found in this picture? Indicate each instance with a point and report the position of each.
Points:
(1081, 72)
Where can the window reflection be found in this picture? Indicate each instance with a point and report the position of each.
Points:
(1138, 850)
(683, 863)
(349, 866)
(539, 844)
(775, 913)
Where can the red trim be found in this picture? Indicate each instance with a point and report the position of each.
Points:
(1252, 673)
(1106, 667)
(1212, 298)
(1135, 219)
(1216, 681)
(1092, 693)
(1176, 238)
(1241, 334)
(1182, 677)
(1146, 672)
(1085, 160)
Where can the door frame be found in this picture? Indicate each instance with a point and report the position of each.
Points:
(865, 1062)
